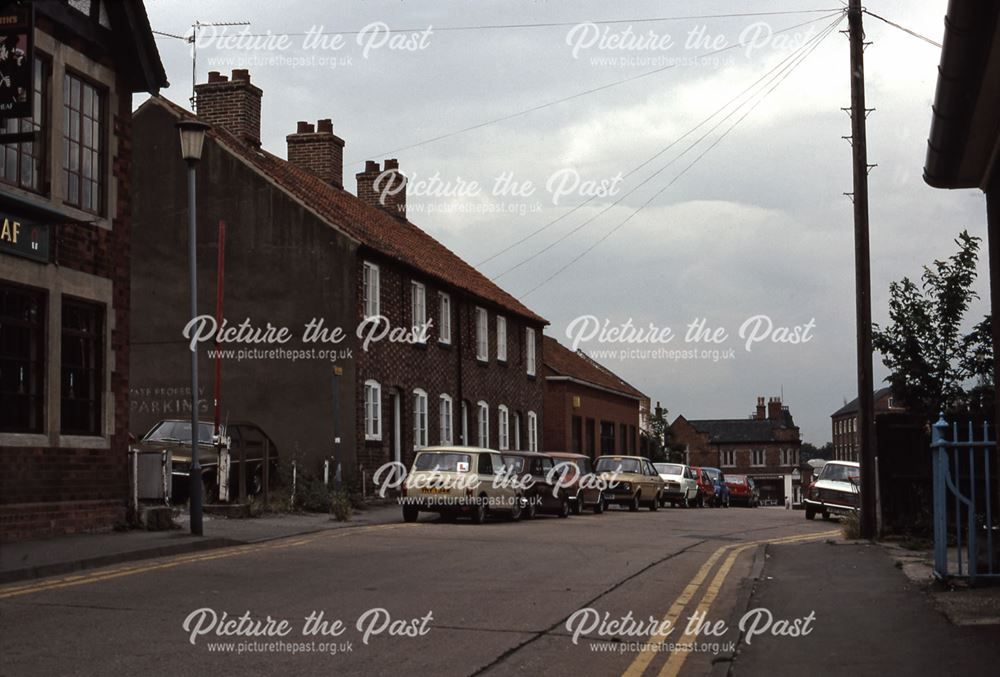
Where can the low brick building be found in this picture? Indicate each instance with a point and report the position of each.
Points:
(764, 446)
(65, 210)
(299, 247)
(588, 409)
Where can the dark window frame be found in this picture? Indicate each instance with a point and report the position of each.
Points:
(40, 123)
(36, 362)
(82, 414)
(100, 151)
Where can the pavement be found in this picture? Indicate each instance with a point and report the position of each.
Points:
(64, 554)
(870, 618)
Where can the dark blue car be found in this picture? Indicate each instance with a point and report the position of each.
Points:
(721, 488)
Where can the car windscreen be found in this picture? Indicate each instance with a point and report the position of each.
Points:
(840, 473)
(179, 431)
(514, 464)
(445, 462)
(669, 468)
(714, 474)
(736, 479)
(619, 465)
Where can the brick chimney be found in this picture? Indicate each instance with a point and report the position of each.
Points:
(774, 409)
(760, 409)
(384, 188)
(233, 105)
(318, 150)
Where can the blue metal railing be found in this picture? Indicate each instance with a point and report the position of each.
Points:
(963, 501)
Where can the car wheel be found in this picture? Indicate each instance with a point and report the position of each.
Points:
(479, 512)
(410, 513)
(810, 513)
(634, 505)
(578, 504)
(516, 510)
(564, 508)
(826, 516)
(599, 506)
(654, 505)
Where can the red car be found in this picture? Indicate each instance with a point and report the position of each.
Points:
(743, 490)
(706, 487)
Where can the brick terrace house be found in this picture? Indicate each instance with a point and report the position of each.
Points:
(588, 409)
(764, 446)
(299, 246)
(65, 204)
(844, 423)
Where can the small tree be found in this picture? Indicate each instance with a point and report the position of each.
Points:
(929, 358)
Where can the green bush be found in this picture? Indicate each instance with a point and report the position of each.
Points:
(341, 506)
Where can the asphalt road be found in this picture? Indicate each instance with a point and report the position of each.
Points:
(434, 599)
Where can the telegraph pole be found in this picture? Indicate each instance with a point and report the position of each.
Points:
(862, 272)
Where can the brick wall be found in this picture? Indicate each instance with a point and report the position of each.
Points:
(318, 150)
(595, 406)
(233, 104)
(54, 490)
(441, 369)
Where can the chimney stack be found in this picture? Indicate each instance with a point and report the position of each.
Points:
(760, 409)
(233, 105)
(384, 188)
(318, 150)
(774, 409)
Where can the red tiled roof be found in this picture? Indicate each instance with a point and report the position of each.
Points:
(393, 237)
(564, 362)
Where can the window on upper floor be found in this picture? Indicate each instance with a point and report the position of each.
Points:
(757, 457)
(444, 321)
(501, 338)
(529, 339)
(84, 144)
(418, 308)
(371, 293)
(728, 458)
(482, 335)
(24, 162)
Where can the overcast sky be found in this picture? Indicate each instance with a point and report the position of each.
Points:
(758, 225)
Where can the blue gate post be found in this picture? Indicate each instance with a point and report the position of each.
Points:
(940, 469)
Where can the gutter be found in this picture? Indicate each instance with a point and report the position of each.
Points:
(969, 29)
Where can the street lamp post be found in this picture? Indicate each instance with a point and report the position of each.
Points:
(192, 134)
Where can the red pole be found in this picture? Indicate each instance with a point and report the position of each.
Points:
(220, 267)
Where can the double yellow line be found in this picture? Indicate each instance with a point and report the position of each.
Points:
(673, 665)
(180, 560)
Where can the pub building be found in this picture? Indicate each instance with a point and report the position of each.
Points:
(65, 156)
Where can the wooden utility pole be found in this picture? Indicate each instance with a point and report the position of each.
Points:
(862, 273)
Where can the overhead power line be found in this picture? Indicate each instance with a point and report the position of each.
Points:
(778, 80)
(547, 104)
(633, 170)
(904, 29)
(552, 24)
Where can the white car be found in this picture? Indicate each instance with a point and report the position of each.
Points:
(836, 491)
(679, 484)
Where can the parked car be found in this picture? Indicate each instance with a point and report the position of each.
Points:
(706, 487)
(721, 490)
(543, 493)
(679, 484)
(743, 490)
(579, 481)
(459, 481)
(248, 445)
(835, 491)
(633, 481)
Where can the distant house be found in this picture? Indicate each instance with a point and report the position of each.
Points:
(844, 421)
(764, 446)
(588, 409)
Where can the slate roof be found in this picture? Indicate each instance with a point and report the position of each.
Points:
(742, 429)
(852, 406)
(372, 227)
(562, 361)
